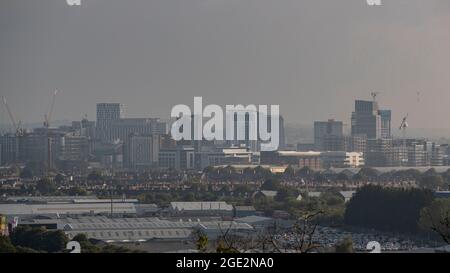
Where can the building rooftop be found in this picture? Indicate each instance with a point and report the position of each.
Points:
(347, 194)
(442, 194)
(50, 199)
(314, 194)
(269, 193)
(295, 153)
(195, 206)
(105, 223)
(253, 219)
(131, 235)
(137, 229)
(65, 208)
(224, 226)
(245, 208)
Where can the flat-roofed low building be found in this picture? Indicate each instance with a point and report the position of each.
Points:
(313, 194)
(225, 156)
(240, 168)
(442, 194)
(243, 211)
(342, 159)
(293, 158)
(347, 195)
(57, 209)
(126, 229)
(219, 208)
(265, 194)
(179, 158)
(257, 222)
(147, 209)
(147, 229)
(49, 199)
(214, 230)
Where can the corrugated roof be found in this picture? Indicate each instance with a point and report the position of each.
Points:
(50, 199)
(140, 229)
(252, 219)
(269, 193)
(132, 235)
(224, 225)
(314, 194)
(347, 194)
(79, 208)
(187, 206)
(245, 208)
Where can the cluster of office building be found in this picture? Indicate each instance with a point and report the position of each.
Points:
(115, 141)
(370, 143)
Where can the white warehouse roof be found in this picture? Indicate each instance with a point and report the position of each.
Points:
(132, 235)
(66, 208)
(198, 206)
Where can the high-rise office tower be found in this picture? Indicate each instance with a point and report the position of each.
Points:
(366, 119)
(107, 113)
(282, 134)
(74, 147)
(357, 143)
(9, 149)
(417, 154)
(142, 151)
(435, 154)
(245, 129)
(329, 135)
(281, 131)
(385, 123)
(121, 129)
(379, 152)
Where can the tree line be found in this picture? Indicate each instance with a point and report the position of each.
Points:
(412, 211)
(27, 239)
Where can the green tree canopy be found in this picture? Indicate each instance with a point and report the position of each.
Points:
(95, 176)
(387, 209)
(6, 246)
(345, 246)
(436, 217)
(270, 185)
(39, 239)
(26, 172)
(432, 182)
(46, 186)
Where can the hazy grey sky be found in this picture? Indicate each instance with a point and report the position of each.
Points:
(313, 57)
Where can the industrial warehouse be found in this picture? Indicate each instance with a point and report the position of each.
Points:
(124, 221)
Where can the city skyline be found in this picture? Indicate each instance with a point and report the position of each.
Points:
(432, 133)
(283, 53)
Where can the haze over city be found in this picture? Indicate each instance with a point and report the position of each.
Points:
(313, 58)
(257, 127)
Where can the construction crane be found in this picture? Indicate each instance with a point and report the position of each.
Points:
(47, 119)
(404, 125)
(17, 126)
(374, 95)
(48, 116)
